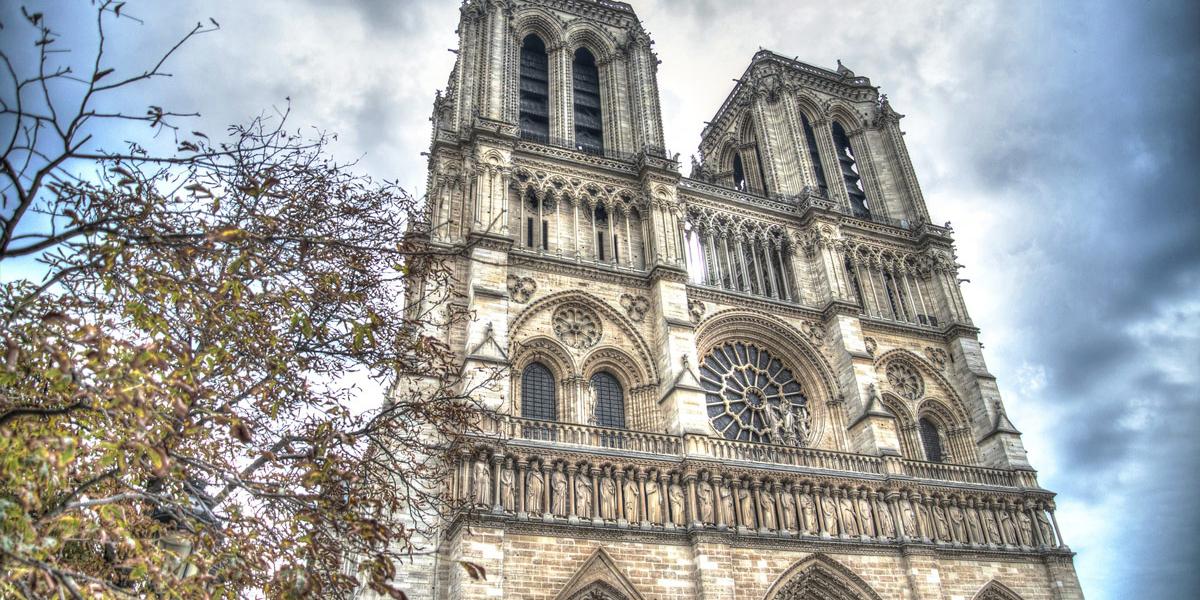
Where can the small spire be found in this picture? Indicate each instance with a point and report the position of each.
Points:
(1003, 424)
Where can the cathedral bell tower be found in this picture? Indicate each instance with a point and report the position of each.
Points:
(759, 381)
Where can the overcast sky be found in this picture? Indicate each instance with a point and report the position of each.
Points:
(1060, 139)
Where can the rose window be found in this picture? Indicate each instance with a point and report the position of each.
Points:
(577, 327)
(905, 380)
(752, 397)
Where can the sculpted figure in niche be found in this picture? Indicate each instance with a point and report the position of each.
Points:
(886, 525)
(481, 481)
(924, 528)
(631, 500)
(993, 528)
(808, 512)
(706, 504)
(653, 502)
(941, 524)
(583, 496)
(747, 506)
(849, 523)
(909, 519)
(676, 500)
(766, 506)
(864, 509)
(958, 525)
(829, 511)
(1044, 528)
(559, 488)
(1025, 524)
(973, 526)
(608, 498)
(507, 492)
(1008, 527)
(787, 505)
(534, 492)
(726, 502)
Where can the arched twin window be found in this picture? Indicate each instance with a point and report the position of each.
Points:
(534, 113)
(539, 398)
(931, 441)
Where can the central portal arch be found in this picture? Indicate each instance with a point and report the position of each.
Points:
(819, 577)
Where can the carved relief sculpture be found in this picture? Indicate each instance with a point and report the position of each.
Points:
(706, 503)
(608, 498)
(941, 524)
(809, 513)
(726, 502)
(993, 528)
(886, 524)
(1044, 528)
(849, 522)
(583, 496)
(908, 518)
(767, 508)
(1025, 524)
(973, 528)
(1008, 527)
(905, 380)
(864, 510)
(507, 493)
(577, 326)
(747, 506)
(787, 506)
(958, 525)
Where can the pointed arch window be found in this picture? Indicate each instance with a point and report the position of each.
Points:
(538, 393)
(931, 440)
(585, 78)
(610, 400)
(850, 175)
(739, 173)
(814, 155)
(535, 90)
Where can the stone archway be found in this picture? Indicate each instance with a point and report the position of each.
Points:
(599, 591)
(819, 577)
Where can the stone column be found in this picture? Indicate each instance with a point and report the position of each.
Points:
(693, 516)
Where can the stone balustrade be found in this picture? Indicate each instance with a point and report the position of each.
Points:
(600, 477)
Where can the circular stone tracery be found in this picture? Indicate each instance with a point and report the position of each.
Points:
(576, 326)
(905, 380)
(752, 396)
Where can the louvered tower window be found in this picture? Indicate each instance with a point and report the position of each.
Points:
(932, 442)
(535, 89)
(589, 129)
(610, 401)
(814, 155)
(845, 156)
(537, 393)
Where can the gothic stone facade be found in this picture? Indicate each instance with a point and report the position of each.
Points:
(758, 381)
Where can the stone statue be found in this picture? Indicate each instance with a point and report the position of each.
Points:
(787, 505)
(481, 482)
(1008, 527)
(849, 522)
(993, 529)
(973, 526)
(829, 511)
(608, 498)
(589, 403)
(675, 498)
(1025, 524)
(653, 502)
(726, 502)
(559, 488)
(864, 509)
(631, 500)
(958, 525)
(766, 507)
(507, 490)
(809, 514)
(941, 524)
(706, 504)
(533, 492)
(747, 506)
(924, 530)
(1044, 528)
(583, 496)
(909, 520)
(886, 525)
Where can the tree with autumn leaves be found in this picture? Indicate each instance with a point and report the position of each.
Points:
(182, 365)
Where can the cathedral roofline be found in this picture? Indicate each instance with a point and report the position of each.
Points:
(841, 77)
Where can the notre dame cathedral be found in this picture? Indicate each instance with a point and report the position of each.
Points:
(759, 381)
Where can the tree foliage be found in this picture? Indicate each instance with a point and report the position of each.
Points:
(181, 385)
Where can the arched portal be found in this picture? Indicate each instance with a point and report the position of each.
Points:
(819, 577)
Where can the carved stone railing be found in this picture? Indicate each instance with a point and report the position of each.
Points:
(722, 449)
(969, 474)
(594, 437)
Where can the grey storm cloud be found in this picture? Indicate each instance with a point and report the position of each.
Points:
(1059, 138)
